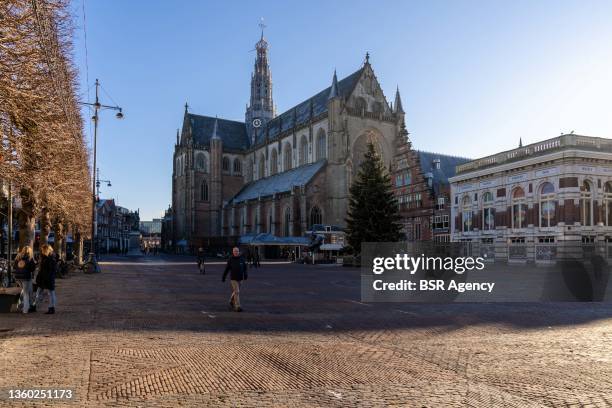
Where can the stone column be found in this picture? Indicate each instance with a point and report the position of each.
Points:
(303, 216)
(233, 221)
(274, 214)
(260, 220)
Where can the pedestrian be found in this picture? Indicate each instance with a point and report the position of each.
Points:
(45, 280)
(256, 258)
(200, 258)
(24, 272)
(238, 268)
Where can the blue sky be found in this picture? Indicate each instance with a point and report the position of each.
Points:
(474, 75)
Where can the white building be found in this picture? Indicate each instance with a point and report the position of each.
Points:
(530, 203)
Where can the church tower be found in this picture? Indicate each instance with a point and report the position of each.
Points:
(261, 107)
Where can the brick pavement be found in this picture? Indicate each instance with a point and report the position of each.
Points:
(153, 332)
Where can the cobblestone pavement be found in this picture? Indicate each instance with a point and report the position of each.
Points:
(153, 332)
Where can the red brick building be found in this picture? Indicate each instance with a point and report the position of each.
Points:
(422, 189)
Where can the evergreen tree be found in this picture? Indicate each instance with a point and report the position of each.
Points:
(373, 214)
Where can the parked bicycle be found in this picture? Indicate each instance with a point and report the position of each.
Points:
(4, 276)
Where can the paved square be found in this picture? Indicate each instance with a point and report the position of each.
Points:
(153, 332)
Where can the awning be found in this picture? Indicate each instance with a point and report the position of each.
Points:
(269, 239)
(331, 247)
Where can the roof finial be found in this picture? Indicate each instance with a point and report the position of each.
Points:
(520, 142)
(334, 87)
(398, 102)
(262, 26)
(186, 106)
(215, 127)
(367, 60)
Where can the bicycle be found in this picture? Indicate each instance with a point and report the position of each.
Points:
(4, 276)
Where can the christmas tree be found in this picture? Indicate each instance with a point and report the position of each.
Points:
(373, 214)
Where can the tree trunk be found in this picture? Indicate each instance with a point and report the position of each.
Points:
(26, 219)
(77, 240)
(45, 226)
(58, 229)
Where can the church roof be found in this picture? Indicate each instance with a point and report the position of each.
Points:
(279, 183)
(301, 113)
(447, 166)
(232, 133)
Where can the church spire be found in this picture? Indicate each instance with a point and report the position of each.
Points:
(398, 102)
(261, 104)
(333, 93)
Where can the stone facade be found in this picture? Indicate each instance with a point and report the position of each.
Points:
(232, 178)
(534, 201)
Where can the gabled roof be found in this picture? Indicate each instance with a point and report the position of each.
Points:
(447, 166)
(302, 112)
(232, 133)
(279, 183)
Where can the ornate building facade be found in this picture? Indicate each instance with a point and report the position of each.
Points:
(529, 203)
(281, 174)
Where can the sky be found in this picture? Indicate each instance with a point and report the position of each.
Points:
(475, 76)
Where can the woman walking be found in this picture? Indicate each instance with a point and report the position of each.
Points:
(24, 272)
(45, 280)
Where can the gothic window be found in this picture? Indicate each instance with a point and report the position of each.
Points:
(237, 166)
(608, 202)
(270, 229)
(303, 150)
(315, 217)
(262, 167)
(287, 159)
(519, 208)
(287, 223)
(225, 164)
(547, 205)
(466, 214)
(361, 104)
(204, 191)
(201, 162)
(488, 212)
(274, 162)
(586, 204)
(321, 145)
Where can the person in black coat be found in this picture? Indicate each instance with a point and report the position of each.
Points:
(45, 280)
(238, 268)
(24, 272)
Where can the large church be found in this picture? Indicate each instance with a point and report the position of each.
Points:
(281, 174)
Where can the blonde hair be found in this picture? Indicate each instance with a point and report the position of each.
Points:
(46, 249)
(25, 251)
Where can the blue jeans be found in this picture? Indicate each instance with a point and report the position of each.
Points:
(26, 294)
(39, 293)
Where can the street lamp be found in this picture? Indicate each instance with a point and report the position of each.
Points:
(97, 107)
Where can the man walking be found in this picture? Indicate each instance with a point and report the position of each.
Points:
(200, 256)
(238, 268)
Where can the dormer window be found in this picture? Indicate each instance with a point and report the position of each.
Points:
(436, 164)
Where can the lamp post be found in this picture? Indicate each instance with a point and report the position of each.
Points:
(97, 107)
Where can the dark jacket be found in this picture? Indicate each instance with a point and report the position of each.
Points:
(46, 275)
(26, 271)
(238, 268)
